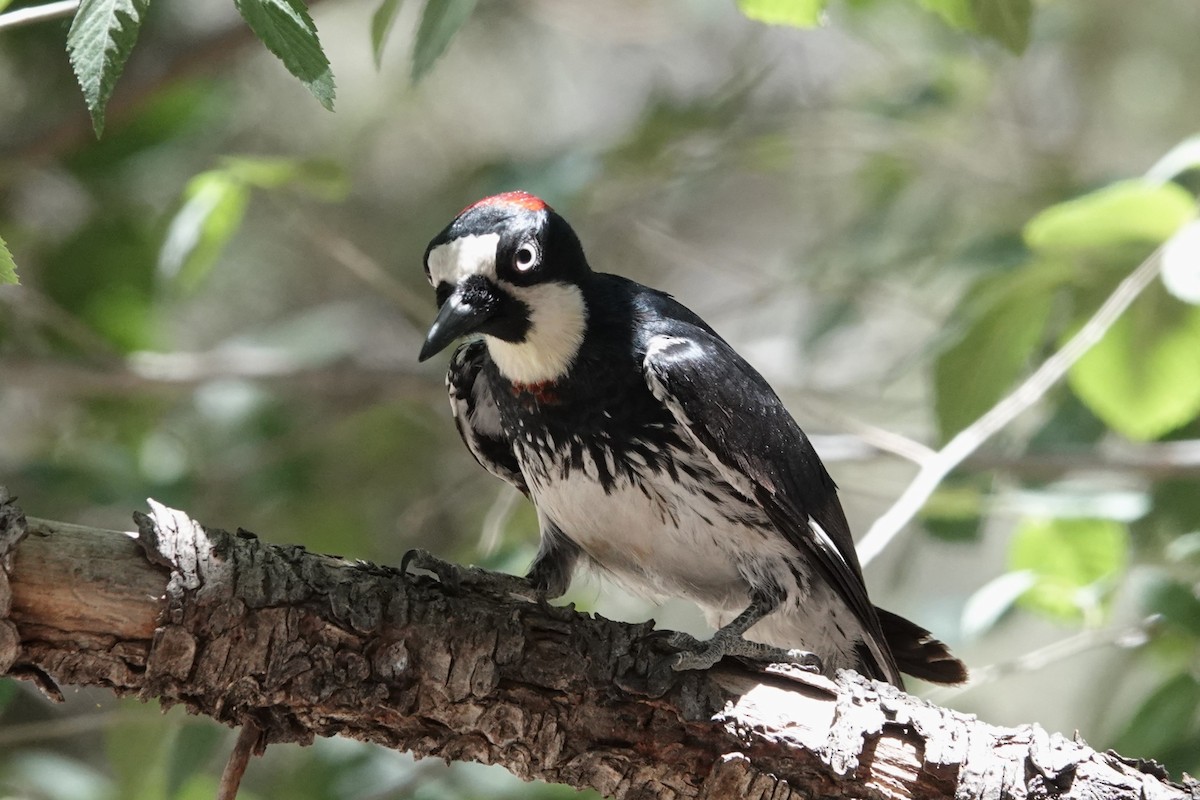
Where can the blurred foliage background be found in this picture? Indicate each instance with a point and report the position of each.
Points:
(894, 218)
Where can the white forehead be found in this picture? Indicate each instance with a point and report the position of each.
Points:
(462, 257)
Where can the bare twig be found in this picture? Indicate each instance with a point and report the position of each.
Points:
(416, 311)
(1153, 459)
(35, 14)
(933, 471)
(865, 440)
(1126, 637)
(498, 514)
(22, 734)
(40, 309)
(249, 738)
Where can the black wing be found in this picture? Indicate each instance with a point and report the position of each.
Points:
(477, 417)
(734, 415)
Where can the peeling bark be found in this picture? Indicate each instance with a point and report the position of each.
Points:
(308, 645)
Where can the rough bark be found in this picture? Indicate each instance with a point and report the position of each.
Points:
(310, 645)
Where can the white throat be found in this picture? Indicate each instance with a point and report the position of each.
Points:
(557, 322)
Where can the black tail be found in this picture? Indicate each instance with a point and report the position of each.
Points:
(917, 653)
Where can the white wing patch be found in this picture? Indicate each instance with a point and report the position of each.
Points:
(463, 257)
(825, 542)
(658, 345)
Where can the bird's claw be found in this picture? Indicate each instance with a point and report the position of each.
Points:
(454, 576)
(448, 573)
(802, 660)
(695, 654)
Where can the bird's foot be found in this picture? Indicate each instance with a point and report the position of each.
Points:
(696, 654)
(455, 576)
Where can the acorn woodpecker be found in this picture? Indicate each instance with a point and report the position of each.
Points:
(652, 451)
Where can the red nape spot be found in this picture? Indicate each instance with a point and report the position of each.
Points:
(522, 200)
(544, 392)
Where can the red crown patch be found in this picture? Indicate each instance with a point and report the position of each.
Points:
(522, 200)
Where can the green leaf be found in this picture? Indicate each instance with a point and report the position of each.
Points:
(1136, 211)
(1176, 602)
(1177, 513)
(956, 13)
(213, 209)
(440, 20)
(1070, 424)
(1069, 559)
(100, 39)
(8, 267)
(797, 13)
(287, 30)
(1166, 717)
(976, 371)
(1006, 21)
(1143, 377)
(1182, 158)
(320, 177)
(381, 25)
(954, 511)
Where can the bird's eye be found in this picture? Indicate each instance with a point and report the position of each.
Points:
(526, 257)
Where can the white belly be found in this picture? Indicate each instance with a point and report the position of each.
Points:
(661, 536)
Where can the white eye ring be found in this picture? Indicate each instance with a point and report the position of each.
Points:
(527, 257)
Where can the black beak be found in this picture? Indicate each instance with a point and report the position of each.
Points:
(462, 313)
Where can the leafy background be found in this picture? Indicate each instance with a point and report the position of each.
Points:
(896, 215)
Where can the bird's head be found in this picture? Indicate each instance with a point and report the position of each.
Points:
(510, 268)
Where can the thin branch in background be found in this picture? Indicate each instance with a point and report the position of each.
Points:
(1126, 637)
(935, 470)
(1156, 460)
(497, 517)
(1151, 459)
(40, 309)
(416, 311)
(18, 734)
(35, 14)
(865, 440)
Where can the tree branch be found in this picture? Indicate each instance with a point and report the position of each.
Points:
(1032, 389)
(309, 645)
(35, 14)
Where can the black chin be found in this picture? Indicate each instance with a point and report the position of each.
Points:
(512, 325)
(476, 306)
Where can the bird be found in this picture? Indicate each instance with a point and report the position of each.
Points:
(652, 451)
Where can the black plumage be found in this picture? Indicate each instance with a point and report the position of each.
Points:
(651, 449)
